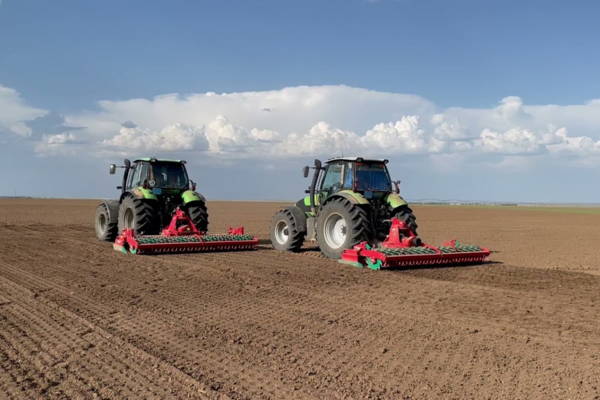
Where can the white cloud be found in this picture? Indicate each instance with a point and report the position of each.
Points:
(14, 113)
(524, 141)
(513, 141)
(61, 138)
(56, 144)
(573, 144)
(224, 137)
(294, 109)
(403, 136)
(320, 136)
(175, 137)
(317, 121)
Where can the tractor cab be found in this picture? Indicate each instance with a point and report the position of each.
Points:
(367, 177)
(168, 175)
(155, 175)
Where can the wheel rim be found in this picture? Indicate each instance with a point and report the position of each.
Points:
(128, 218)
(282, 232)
(335, 231)
(102, 222)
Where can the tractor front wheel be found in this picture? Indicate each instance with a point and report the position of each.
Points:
(340, 226)
(139, 215)
(286, 234)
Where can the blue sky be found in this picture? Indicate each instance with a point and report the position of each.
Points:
(497, 96)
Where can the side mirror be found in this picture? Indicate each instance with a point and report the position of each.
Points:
(305, 171)
(192, 185)
(396, 186)
(112, 168)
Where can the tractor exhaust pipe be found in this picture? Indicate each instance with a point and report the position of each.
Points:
(313, 185)
(127, 167)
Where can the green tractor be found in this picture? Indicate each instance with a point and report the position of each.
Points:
(151, 191)
(350, 200)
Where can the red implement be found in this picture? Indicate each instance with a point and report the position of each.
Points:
(181, 236)
(403, 248)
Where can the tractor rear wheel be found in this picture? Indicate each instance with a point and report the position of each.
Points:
(106, 223)
(139, 215)
(199, 215)
(405, 214)
(341, 225)
(286, 234)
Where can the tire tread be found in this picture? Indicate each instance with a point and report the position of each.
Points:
(296, 236)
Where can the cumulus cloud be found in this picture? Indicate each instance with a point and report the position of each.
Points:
(57, 144)
(316, 121)
(513, 141)
(524, 141)
(564, 143)
(175, 137)
(294, 109)
(403, 136)
(225, 137)
(14, 113)
(320, 136)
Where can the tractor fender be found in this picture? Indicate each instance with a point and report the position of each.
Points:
(394, 200)
(112, 206)
(299, 216)
(352, 197)
(189, 195)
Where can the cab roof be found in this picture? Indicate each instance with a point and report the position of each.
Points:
(359, 159)
(153, 159)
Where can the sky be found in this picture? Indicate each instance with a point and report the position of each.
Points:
(469, 100)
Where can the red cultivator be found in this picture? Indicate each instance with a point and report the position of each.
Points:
(403, 248)
(182, 236)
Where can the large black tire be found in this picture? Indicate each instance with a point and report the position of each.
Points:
(287, 233)
(405, 214)
(106, 222)
(340, 226)
(139, 215)
(199, 215)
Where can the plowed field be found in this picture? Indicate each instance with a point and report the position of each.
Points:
(79, 320)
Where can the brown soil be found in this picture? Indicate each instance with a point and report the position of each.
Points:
(79, 320)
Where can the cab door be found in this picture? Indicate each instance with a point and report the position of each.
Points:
(332, 181)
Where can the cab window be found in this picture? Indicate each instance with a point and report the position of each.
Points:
(131, 176)
(140, 174)
(348, 176)
(372, 177)
(333, 178)
(170, 175)
(144, 174)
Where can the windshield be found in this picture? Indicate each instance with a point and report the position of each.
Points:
(372, 178)
(169, 175)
